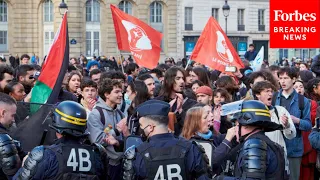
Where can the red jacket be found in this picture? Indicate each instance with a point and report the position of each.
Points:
(309, 154)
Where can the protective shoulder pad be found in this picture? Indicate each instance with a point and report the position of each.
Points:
(129, 156)
(30, 165)
(255, 143)
(201, 149)
(4, 138)
(254, 159)
(9, 158)
(205, 158)
(130, 153)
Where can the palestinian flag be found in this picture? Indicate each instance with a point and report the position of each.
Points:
(48, 86)
(35, 130)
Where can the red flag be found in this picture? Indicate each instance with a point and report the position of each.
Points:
(36, 126)
(54, 69)
(214, 49)
(137, 37)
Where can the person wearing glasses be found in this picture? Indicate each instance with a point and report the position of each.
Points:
(25, 76)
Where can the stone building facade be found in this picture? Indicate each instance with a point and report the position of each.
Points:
(28, 26)
(248, 22)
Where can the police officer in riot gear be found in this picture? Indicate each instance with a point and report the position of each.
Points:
(162, 156)
(10, 151)
(69, 158)
(259, 157)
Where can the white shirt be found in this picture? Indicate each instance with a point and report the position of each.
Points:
(289, 132)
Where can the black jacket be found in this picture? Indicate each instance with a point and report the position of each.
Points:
(315, 67)
(188, 103)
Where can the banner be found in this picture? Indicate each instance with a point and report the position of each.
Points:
(294, 24)
(214, 49)
(257, 62)
(137, 37)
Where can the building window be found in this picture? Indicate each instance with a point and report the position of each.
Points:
(3, 41)
(48, 11)
(297, 53)
(241, 26)
(283, 53)
(156, 18)
(4, 26)
(48, 39)
(92, 43)
(3, 11)
(92, 11)
(126, 7)
(155, 12)
(188, 18)
(261, 24)
(215, 13)
(312, 53)
(304, 54)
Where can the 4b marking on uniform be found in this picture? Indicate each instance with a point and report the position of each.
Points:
(170, 174)
(72, 160)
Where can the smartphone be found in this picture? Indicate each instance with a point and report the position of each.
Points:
(318, 122)
(231, 69)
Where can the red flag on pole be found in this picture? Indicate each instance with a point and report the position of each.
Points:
(214, 49)
(137, 37)
(46, 91)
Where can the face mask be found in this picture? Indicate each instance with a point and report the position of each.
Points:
(143, 133)
(126, 99)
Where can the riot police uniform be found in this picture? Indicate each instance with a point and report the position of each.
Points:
(164, 156)
(11, 154)
(258, 157)
(69, 158)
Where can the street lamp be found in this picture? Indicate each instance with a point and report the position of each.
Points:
(63, 7)
(226, 11)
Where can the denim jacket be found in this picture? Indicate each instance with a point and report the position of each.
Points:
(295, 145)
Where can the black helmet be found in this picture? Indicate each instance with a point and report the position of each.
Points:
(255, 113)
(70, 118)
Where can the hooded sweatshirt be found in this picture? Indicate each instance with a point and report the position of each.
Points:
(96, 128)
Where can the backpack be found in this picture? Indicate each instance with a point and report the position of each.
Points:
(300, 101)
(103, 118)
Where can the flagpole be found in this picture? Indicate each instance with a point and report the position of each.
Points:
(189, 60)
(121, 60)
(121, 63)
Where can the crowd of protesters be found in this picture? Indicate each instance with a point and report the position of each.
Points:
(111, 92)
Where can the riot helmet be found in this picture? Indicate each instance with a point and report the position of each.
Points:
(251, 113)
(70, 118)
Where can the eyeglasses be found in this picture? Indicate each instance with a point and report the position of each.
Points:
(31, 77)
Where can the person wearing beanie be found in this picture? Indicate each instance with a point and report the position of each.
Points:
(93, 64)
(204, 95)
(305, 76)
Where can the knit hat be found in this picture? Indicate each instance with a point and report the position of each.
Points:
(305, 76)
(205, 90)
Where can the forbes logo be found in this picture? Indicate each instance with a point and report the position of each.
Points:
(279, 15)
